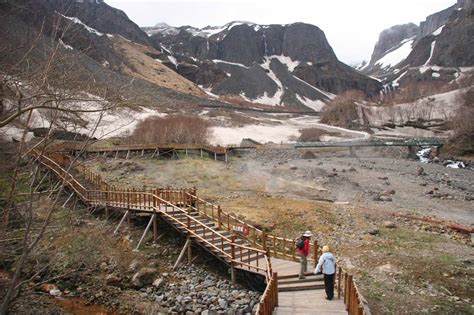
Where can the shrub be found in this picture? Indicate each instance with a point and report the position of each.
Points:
(172, 129)
(342, 110)
(462, 141)
(314, 134)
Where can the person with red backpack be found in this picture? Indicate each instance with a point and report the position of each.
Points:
(302, 248)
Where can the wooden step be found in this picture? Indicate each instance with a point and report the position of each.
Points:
(295, 275)
(300, 287)
(293, 281)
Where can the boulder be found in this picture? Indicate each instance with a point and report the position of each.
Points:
(143, 277)
(113, 280)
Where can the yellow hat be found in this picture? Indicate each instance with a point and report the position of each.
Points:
(325, 248)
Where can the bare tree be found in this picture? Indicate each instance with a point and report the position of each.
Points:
(56, 89)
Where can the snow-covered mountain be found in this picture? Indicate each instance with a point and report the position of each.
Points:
(438, 49)
(289, 65)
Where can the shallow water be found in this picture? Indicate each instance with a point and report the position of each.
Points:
(77, 306)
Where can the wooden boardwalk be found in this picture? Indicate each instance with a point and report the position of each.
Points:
(220, 233)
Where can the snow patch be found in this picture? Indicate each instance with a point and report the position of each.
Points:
(433, 44)
(438, 31)
(208, 91)
(395, 82)
(173, 61)
(291, 64)
(75, 20)
(230, 63)
(316, 105)
(325, 93)
(397, 55)
(435, 75)
(65, 45)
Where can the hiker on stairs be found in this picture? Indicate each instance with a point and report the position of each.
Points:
(328, 263)
(302, 248)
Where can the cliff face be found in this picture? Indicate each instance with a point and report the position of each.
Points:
(392, 37)
(433, 51)
(289, 65)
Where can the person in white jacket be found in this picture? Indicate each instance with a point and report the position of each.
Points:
(327, 262)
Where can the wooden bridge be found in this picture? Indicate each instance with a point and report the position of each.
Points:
(250, 250)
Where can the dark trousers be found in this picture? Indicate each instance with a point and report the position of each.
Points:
(329, 285)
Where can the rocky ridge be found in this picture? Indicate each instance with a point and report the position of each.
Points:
(289, 65)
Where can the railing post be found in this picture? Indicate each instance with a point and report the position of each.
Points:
(232, 264)
(264, 242)
(275, 283)
(339, 270)
(345, 289)
(349, 297)
(219, 217)
(315, 252)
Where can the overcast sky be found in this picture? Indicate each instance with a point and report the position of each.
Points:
(351, 26)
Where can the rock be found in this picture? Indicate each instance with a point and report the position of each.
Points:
(222, 303)
(55, 292)
(385, 198)
(47, 287)
(332, 175)
(134, 265)
(143, 277)
(420, 171)
(373, 231)
(113, 280)
(103, 266)
(158, 282)
(292, 167)
(389, 225)
(387, 192)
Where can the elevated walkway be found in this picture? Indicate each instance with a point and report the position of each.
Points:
(233, 241)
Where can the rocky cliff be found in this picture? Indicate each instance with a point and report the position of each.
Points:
(436, 50)
(289, 65)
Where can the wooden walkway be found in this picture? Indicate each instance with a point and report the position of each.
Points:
(233, 241)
